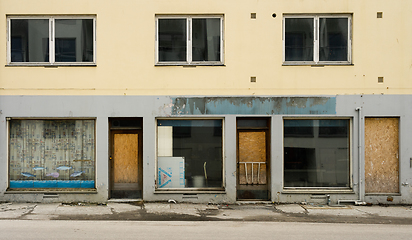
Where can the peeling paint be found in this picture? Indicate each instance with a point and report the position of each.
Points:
(253, 105)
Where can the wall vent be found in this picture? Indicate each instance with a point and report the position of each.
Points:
(379, 14)
(253, 15)
(50, 195)
(252, 79)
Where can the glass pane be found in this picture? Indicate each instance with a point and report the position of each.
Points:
(252, 123)
(189, 153)
(333, 39)
(172, 40)
(299, 39)
(206, 39)
(74, 40)
(29, 40)
(52, 154)
(319, 157)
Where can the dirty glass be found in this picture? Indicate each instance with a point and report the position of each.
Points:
(299, 39)
(189, 153)
(206, 39)
(52, 154)
(333, 39)
(29, 40)
(74, 40)
(172, 40)
(316, 153)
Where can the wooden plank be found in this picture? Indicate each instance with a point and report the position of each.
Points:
(381, 155)
(125, 158)
(252, 148)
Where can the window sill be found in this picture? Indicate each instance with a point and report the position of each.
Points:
(316, 191)
(189, 65)
(382, 194)
(51, 65)
(47, 191)
(316, 64)
(190, 191)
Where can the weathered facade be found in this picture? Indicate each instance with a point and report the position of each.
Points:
(281, 101)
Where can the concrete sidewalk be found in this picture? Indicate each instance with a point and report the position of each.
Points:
(139, 211)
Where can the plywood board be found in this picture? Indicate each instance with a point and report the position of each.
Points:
(125, 158)
(381, 155)
(252, 148)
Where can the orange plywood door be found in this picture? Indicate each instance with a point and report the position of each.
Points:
(381, 155)
(252, 157)
(125, 165)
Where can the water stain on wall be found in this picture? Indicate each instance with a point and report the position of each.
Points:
(253, 105)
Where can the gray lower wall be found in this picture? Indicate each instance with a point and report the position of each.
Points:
(277, 107)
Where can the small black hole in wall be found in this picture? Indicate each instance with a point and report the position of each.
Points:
(253, 15)
(252, 79)
(274, 15)
(379, 14)
(380, 79)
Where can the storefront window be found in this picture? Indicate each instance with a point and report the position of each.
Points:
(189, 154)
(52, 154)
(316, 153)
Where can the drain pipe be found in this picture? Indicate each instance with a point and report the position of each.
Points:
(360, 200)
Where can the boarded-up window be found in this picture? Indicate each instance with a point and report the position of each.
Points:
(381, 155)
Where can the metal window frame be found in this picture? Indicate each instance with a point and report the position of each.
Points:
(316, 31)
(189, 39)
(52, 30)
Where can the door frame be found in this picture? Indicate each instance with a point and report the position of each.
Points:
(267, 131)
(125, 130)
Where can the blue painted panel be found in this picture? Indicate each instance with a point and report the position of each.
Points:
(68, 184)
(45, 184)
(87, 184)
(21, 184)
(254, 105)
(52, 184)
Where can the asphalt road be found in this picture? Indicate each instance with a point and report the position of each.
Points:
(31, 229)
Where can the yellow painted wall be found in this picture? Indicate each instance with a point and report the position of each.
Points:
(252, 47)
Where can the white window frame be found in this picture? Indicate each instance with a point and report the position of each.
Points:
(316, 31)
(51, 41)
(189, 38)
(186, 189)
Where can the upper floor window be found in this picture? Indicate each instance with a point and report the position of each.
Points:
(57, 40)
(182, 40)
(317, 39)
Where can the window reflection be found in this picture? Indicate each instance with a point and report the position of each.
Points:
(318, 157)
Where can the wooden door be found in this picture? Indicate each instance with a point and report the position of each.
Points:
(252, 171)
(126, 167)
(381, 155)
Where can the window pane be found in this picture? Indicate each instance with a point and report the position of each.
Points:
(318, 159)
(299, 39)
(52, 154)
(172, 40)
(29, 40)
(333, 39)
(189, 153)
(206, 39)
(74, 40)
